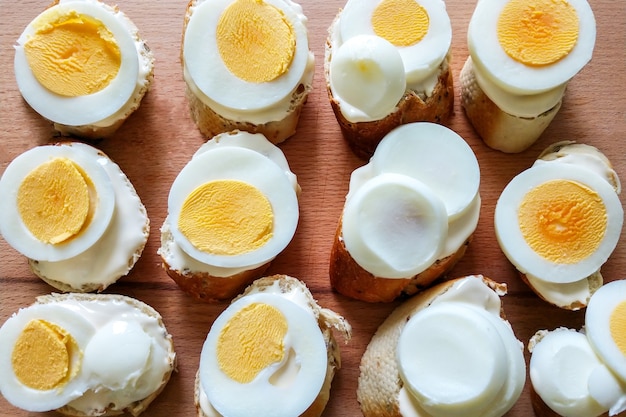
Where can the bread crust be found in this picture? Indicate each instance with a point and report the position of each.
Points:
(348, 278)
(211, 123)
(499, 130)
(327, 321)
(363, 137)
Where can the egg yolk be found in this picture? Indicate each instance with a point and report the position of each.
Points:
(72, 54)
(255, 40)
(401, 22)
(226, 217)
(42, 356)
(538, 32)
(54, 201)
(251, 341)
(617, 326)
(562, 221)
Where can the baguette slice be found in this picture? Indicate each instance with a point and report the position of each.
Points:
(363, 137)
(499, 130)
(348, 278)
(327, 320)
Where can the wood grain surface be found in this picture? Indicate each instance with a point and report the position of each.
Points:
(158, 140)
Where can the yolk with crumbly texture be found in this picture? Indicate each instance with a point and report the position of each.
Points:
(252, 340)
(73, 55)
(226, 217)
(617, 326)
(53, 201)
(255, 40)
(401, 22)
(538, 32)
(42, 356)
(563, 221)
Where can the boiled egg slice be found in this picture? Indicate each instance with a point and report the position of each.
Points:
(529, 47)
(558, 222)
(57, 202)
(77, 63)
(245, 54)
(264, 356)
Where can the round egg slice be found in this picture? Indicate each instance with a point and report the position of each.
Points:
(57, 202)
(77, 63)
(231, 207)
(558, 222)
(264, 356)
(528, 47)
(41, 353)
(605, 325)
(245, 54)
(420, 30)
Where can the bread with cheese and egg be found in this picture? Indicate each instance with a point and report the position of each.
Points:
(327, 320)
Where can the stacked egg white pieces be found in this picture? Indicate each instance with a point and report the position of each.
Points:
(415, 202)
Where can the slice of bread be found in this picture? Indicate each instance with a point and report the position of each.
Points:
(499, 130)
(327, 321)
(363, 137)
(379, 381)
(348, 278)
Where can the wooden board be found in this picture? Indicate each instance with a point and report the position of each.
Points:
(158, 140)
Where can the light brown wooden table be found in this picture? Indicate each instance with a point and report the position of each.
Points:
(158, 140)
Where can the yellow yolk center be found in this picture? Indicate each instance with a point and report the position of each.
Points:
(73, 55)
(562, 221)
(251, 341)
(54, 201)
(617, 325)
(226, 217)
(401, 22)
(255, 40)
(538, 32)
(42, 356)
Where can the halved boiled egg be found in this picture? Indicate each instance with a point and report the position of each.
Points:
(530, 47)
(263, 354)
(558, 222)
(77, 63)
(57, 202)
(246, 54)
(233, 206)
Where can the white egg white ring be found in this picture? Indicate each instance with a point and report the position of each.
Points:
(435, 155)
(358, 220)
(514, 245)
(517, 77)
(260, 397)
(420, 59)
(15, 231)
(597, 325)
(209, 73)
(87, 109)
(237, 163)
(32, 399)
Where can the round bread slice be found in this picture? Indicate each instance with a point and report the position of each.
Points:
(379, 381)
(363, 137)
(327, 321)
(211, 123)
(348, 278)
(499, 130)
(137, 407)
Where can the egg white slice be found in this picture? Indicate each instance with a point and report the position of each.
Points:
(42, 400)
(262, 397)
(515, 76)
(13, 228)
(517, 250)
(251, 167)
(209, 73)
(435, 155)
(87, 109)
